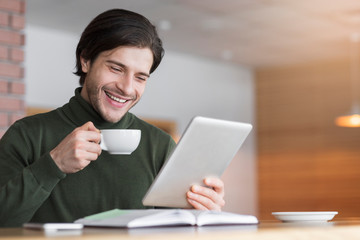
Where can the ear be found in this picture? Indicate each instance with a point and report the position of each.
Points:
(85, 64)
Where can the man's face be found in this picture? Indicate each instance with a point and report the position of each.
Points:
(116, 80)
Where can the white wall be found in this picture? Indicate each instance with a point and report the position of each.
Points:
(49, 63)
(183, 86)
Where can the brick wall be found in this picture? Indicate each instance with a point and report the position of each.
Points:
(12, 39)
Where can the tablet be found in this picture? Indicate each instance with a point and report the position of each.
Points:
(205, 149)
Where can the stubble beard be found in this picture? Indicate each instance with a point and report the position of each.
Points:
(95, 101)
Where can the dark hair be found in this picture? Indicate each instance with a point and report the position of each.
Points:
(114, 28)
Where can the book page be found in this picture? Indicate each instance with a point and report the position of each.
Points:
(166, 217)
(223, 218)
(115, 218)
(139, 218)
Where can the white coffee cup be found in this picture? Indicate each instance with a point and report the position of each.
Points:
(120, 141)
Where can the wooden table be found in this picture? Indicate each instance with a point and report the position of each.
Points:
(341, 229)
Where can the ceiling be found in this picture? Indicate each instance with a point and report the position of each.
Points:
(255, 33)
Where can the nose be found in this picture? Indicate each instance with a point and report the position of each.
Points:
(125, 84)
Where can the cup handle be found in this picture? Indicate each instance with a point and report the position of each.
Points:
(102, 143)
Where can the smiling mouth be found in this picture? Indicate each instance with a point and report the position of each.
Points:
(115, 98)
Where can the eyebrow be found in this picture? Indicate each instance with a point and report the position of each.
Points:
(124, 66)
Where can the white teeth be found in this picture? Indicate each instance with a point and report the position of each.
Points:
(115, 98)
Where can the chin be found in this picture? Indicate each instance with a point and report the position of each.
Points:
(113, 119)
(111, 114)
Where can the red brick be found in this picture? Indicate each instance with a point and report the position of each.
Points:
(11, 70)
(11, 37)
(22, 40)
(4, 53)
(22, 6)
(13, 5)
(4, 120)
(17, 22)
(16, 54)
(16, 116)
(4, 19)
(17, 88)
(11, 104)
(3, 86)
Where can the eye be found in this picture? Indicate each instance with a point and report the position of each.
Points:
(141, 78)
(116, 69)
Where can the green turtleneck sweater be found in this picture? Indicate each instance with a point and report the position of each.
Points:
(32, 187)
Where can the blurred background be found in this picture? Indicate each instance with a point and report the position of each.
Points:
(288, 67)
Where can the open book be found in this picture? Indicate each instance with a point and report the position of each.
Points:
(164, 217)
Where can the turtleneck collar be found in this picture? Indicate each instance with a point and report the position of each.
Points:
(79, 112)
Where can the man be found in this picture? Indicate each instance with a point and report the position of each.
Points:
(52, 168)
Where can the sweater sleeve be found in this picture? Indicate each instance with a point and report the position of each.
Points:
(26, 179)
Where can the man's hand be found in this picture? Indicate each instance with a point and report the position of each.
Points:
(78, 149)
(207, 198)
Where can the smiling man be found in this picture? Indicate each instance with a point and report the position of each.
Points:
(52, 168)
(112, 98)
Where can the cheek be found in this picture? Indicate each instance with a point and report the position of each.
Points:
(101, 78)
(140, 88)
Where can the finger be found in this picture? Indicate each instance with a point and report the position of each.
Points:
(215, 183)
(196, 205)
(201, 202)
(95, 148)
(89, 126)
(89, 132)
(86, 126)
(209, 194)
(92, 156)
(84, 156)
(94, 137)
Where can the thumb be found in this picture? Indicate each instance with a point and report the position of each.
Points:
(89, 126)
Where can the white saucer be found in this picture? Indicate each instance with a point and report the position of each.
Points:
(304, 216)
